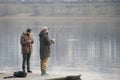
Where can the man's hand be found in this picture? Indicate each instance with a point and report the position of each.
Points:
(29, 41)
(53, 40)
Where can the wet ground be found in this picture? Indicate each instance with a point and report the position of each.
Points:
(35, 76)
(55, 76)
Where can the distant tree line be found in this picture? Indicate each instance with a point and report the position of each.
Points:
(60, 1)
(72, 9)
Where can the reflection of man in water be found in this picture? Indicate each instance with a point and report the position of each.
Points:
(26, 44)
(45, 43)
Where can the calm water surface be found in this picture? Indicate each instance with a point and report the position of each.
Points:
(87, 47)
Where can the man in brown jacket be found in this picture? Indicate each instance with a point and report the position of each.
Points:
(26, 41)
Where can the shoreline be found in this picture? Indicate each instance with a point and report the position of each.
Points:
(59, 18)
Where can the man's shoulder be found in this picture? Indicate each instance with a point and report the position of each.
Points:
(23, 34)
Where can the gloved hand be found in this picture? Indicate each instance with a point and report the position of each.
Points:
(53, 40)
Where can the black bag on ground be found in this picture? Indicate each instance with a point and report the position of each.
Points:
(19, 74)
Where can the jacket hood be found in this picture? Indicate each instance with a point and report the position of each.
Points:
(23, 33)
(41, 33)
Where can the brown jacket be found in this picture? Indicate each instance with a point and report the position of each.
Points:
(26, 43)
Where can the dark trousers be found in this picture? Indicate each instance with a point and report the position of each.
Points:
(26, 60)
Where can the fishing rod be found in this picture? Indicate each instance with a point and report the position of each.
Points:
(59, 31)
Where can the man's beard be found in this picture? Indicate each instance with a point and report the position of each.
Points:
(47, 33)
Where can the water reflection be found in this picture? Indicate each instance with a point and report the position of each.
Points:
(81, 46)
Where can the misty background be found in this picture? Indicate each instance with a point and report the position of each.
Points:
(86, 32)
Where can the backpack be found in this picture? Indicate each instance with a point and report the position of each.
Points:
(20, 74)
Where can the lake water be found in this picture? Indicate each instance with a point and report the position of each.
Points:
(87, 47)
